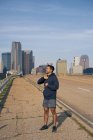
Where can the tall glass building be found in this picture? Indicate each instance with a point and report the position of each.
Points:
(6, 61)
(84, 61)
(27, 61)
(16, 57)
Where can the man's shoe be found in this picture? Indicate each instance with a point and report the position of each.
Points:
(54, 129)
(44, 127)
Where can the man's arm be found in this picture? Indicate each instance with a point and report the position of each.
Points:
(55, 85)
(41, 80)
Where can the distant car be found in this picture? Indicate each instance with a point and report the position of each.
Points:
(20, 74)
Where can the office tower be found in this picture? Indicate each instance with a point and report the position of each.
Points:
(27, 61)
(71, 69)
(6, 61)
(34, 71)
(33, 61)
(77, 68)
(76, 61)
(16, 57)
(0, 67)
(84, 61)
(61, 67)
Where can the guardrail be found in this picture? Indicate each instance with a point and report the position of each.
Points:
(4, 82)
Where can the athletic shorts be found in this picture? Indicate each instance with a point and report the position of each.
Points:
(51, 103)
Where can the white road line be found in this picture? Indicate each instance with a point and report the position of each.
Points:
(87, 90)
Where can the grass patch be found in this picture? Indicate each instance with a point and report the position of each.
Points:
(4, 93)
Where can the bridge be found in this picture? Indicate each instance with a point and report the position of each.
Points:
(21, 112)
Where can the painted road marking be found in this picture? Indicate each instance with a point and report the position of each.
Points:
(87, 90)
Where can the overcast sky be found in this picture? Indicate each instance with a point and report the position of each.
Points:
(51, 28)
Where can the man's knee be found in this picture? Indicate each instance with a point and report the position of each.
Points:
(46, 110)
(53, 111)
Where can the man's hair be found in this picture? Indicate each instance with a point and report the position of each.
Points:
(51, 67)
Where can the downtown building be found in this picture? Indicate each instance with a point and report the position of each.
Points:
(76, 61)
(6, 61)
(84, 61)
(28, 61)
(41, 69)
(77, 68)
(0, 67)
(16, 57)
(61, 67)
(80, 64)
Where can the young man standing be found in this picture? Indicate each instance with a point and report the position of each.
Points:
(51, 86)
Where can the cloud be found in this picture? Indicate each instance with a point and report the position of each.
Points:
(11, 29)
(46, 9)
(43, 32)
(84, 34)
(89, 31)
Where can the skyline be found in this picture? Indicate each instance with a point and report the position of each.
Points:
(54, 28)
(17, 60)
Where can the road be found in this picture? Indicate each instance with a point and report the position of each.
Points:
(22, 117)
(78, 93)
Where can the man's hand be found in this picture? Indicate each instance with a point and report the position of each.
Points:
(45, 77)
(46, 84)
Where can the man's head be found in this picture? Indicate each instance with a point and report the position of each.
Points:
(49, 69)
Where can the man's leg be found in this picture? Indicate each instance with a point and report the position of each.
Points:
(53, 111)
(46, 115)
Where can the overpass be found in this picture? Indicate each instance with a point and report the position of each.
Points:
(22, 114)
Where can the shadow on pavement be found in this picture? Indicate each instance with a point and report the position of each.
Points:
(62, 117)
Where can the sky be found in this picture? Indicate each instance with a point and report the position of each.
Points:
(53, 29)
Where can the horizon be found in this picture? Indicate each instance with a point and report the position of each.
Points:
(52, 29)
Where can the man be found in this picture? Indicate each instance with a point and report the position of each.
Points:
(51, 85)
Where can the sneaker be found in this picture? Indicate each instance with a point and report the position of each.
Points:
(54, 129)
(44, 127)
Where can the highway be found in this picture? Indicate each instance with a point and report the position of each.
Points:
(22, 116)
(76, 92)
(78, 95)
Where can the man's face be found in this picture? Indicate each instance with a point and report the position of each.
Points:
(48, 70)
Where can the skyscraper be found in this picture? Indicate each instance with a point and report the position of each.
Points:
(27, 61)
(84, 61)
(61, 67)
(77, 68)
(6, 61)
(76, 61)
(0, 67)
(33, 61)
(16, 57)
